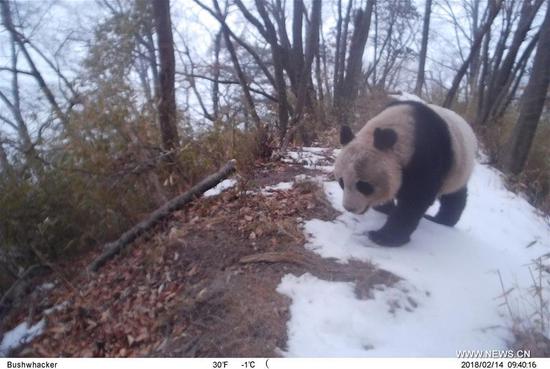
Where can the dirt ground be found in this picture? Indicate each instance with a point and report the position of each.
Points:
(203, 284)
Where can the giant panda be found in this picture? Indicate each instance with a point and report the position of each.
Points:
(401, 161)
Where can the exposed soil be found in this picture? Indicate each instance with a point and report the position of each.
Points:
(202, 284)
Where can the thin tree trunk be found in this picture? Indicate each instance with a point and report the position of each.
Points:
(5, 166)
(423, 48)
(507, 92)
(337, 49)
(241, 42)
(297, 47)
(271, 37)
(8, 23)
(503, 74)
(216, 73)
(475, 64)
(238, 70)
(532, 103)
(494, 8)
(167, 94)
(339, 85)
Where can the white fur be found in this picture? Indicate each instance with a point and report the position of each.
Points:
(383, 169)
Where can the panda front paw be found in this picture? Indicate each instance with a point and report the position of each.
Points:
(390, 239)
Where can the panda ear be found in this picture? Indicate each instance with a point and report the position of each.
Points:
(346, 135)
(384, 138)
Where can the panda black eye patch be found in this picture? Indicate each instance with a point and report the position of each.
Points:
(341, 183)
(365, 188)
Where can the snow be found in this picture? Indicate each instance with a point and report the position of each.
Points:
(452, 274)
(46, 286)
(311, 158)
(220, 187)
(56, 308)
(19, 336)
(283, 186)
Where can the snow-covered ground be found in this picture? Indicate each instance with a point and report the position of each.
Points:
(450, 295)
(19, 335)
(220, 187)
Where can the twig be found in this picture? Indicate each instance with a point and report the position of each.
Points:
(505, 295)
(24, 278)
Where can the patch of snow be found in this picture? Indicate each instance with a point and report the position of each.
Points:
(310, 157)
(316, 150)
(19, 336)
(283, 186)
(46, 286)
(455, 269)
(56, 308)
(222, 186)
(303, 178)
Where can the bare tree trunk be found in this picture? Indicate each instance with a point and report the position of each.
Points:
(326, 80)
(18, 123)
(532, 103)
(483, 74)
(337, 49)
(240, 74)
(494, 8)
(345, 97)
(475, 64)
(423, 48)
(311, 46)
(167, 93)
(508, 91)
(8, 23)
(216, 73)
(341, 56)
(297, 47)
(503, 73)
(240, 41)
(271, 37)
(5, 166)
(142, 69)
(150, 45)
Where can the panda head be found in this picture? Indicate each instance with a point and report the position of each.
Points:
(367, 168)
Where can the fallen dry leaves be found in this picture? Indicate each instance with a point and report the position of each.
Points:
(154, 294)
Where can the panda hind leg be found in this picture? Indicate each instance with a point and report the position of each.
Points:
(451, 207)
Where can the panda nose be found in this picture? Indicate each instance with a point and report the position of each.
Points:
(351, 208)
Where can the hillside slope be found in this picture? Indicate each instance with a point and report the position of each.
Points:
(450, 297)
(271, 265)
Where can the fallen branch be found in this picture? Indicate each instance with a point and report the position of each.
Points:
(115, 247)
(11, 295)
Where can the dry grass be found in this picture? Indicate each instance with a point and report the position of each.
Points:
(528, 311)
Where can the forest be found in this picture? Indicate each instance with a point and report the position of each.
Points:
(111, 108)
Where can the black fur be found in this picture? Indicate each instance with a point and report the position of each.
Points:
(384, 138)
(451, 208)
(346, 135)
(386, 208)
(422, 177)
